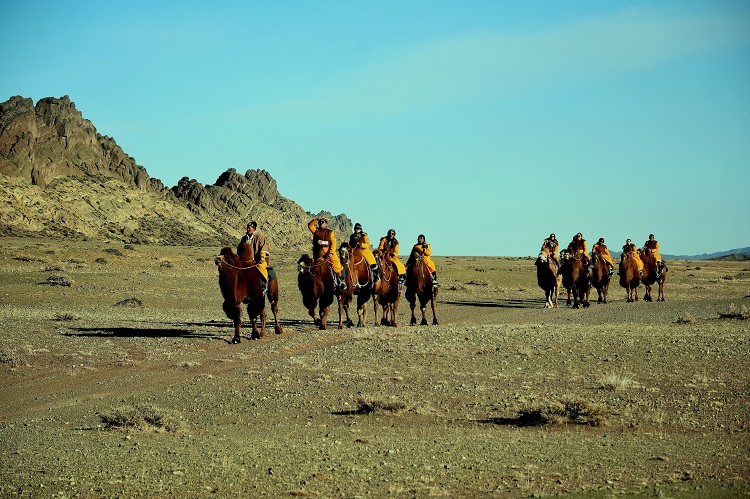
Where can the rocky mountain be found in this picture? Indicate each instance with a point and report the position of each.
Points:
(62, 179)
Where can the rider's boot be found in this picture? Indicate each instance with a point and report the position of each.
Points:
(435, 282)
(375, 275)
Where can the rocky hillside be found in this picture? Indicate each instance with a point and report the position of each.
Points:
(62, 179)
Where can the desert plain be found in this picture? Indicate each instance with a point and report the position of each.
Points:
(117, 379)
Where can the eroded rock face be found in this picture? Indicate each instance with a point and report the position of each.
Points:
(63, 179)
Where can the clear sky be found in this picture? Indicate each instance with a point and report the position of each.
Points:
(485, 125)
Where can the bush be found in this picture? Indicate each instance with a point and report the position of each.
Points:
(735, 312)
(565, 411)
(140, 417)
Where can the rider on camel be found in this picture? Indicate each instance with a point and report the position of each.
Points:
(324, 240)
(423, 248)
(653, 245)
(552, 245)
(631, 250)
(362, 240)
(601, 248)
(259, 247)
(389, 244)
(579, 250)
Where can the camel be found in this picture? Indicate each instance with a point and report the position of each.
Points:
(387, 290)
(630, 278)
(419, 285)
(239, 277)
(547, 278)
(600, 277)
(359, 283)
(649, 275)
(575, 278)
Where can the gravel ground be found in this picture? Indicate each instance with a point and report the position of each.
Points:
(117, 379)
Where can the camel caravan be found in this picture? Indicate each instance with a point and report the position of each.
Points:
(351, 273)
(578, 272)
(354, 273)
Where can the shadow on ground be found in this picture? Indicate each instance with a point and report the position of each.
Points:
(518, 303)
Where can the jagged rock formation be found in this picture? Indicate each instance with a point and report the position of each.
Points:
(62, 179)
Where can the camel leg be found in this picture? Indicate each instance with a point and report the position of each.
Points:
(237, 327)
(434, 315)
(324, 317)
(341, 306)
(275, 309)
(234, 312)
(263, 317)
(413, 305)
(423, 307)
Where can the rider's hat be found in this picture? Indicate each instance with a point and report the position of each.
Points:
(322, 221)
(357, 226)
(252, 224)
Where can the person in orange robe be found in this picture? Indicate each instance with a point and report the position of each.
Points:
(362, 240)
(423, 248)
(325, 239)
(389, 244)
(631, 250)
(601, 248)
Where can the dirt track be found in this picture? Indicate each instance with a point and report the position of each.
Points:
(406, 411)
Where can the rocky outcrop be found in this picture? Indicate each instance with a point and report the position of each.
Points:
(53, 139)
(63, 179)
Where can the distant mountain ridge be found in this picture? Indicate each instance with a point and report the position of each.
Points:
(62, 179)
(709, 256)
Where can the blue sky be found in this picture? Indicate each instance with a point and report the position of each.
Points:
(485, 125)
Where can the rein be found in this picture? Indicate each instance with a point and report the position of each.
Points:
(219, 262)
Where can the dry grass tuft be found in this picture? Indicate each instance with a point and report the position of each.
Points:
(562, 412)
(735, 312)
(614, 381)
(66, 317)
(12, 359)
(685, 318)
(140, 417)
(368, 407)
(129, 302)
(59, 280)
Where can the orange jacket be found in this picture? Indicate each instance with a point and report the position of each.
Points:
(551, 246)
(325, 239)
(364, 243)
(426, 252)
(390, 246)
(633, 252)
(578, 248)
(654, 247)
(604, 251)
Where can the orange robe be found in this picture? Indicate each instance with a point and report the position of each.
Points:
(654, 247)
(364, 243)
(604, 251)
(426, 252)
(579, 248)
(633, 252)
(551, 246)
(326, 239)
(391, 247)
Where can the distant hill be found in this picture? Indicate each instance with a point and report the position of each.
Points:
(734, 254)
(62, 179)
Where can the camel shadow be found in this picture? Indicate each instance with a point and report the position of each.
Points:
(132, 332)
(514, 303)
(520, 421)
